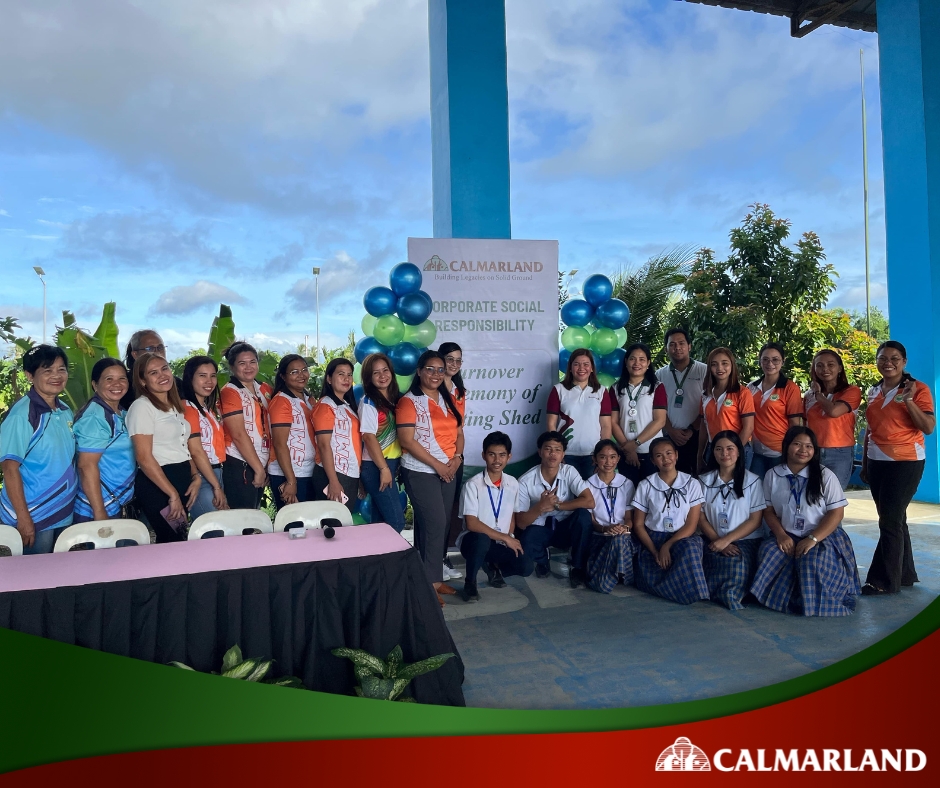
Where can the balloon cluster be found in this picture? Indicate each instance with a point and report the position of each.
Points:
(596, 322)
(396, 324)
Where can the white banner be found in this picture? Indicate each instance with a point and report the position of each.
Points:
(498, 300)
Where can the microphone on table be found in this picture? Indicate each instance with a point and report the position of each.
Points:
(329, 526)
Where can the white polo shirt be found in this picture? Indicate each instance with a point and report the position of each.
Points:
(491, 505)
(568, 485)
(611, 501)
(725, 511)
(667, 508)
(682, 416)
(579, 412)
(777, 494)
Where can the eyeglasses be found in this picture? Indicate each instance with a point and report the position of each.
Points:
(296, 373)
(434, 370)
(154, 349)
(452, 360)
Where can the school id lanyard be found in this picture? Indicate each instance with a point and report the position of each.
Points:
(680, 383)
(797, 488)
(609, 498)
(497, 506)
(672, 494)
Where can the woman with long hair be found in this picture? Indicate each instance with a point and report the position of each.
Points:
(830, 406)
(160, 434)
(638, 403)
(900, 412)
(778, 405)
(453, 380)
(807, 566)
(730, 521)
(726, 404)
(611, 558)
(580, 409)
(430, 428)
(338, 442)
(106, 464)
(291, 466)
(200, 395)
(381, 451)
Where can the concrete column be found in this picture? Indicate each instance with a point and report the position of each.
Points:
(909, 47)
(469, 118)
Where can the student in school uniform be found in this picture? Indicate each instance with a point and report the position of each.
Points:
(726, 404)
(611, 557)
(338, 442)
(807, 566)
(200, 394)
(666, 510)
(778, 405)
(730, 521)
(291, 415)
(684, 380)
(553, 510)
(830, 406)
(580, 408)
(105, 459)
(638, 403)
(900, 412)
(487, 509)
(453, 380)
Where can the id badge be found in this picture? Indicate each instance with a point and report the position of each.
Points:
(678, 400)
(632, 427)
(668, 524)
(723, 520)
(800, 523)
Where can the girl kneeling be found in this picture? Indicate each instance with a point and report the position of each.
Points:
(611, 558)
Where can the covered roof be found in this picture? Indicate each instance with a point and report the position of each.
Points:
(807, 15)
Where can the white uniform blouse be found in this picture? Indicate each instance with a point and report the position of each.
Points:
(611, 501)
(667, 508)
(725, 511)
(800, 519)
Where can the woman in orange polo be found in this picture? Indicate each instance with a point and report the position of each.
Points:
(337, 437)
(778, 405)
(830, 407)
(900, 412)
(726, 404)
(200, 394)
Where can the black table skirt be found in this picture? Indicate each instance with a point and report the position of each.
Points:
(294, 613)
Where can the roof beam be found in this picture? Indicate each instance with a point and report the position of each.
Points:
(820, 14)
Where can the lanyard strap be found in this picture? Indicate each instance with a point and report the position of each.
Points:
(797, 488)
(495, 507)
(725, 491)
(670, 495)
(610, 496)
(632, 395)
(680, 383)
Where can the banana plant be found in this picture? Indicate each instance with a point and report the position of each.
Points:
(234, 666)
(221, 335)
(83, 351)
(386, 680)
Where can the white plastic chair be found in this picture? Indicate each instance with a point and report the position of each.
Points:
(231, 522)
(311, 513)
(102, 533)
(11, 539)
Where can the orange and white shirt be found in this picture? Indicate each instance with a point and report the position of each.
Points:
(833, 432)
(772, 412)
(342, 425)
(253, 406)
(891, 432)
(727, 412)
(435, 428)
(206, 426)
(459, 402)
(294, 412)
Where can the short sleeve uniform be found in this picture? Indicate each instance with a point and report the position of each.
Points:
(373, 421)
(726, 412)
(667, 508)
(725, 511)
(781, 495)
(492, 504)
(833, 432)
(579, 412)
(342, 424)
(205, 425)
(100, 430)
(169, 429)
(435, 428)
(683, 409)
(251, 403)
(633, 408)
(892, 434)
(772, 412)
(611, 501)
(285, 410)
(40, 439)
(459, 401)
(568, 485)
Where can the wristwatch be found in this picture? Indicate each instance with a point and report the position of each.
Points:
(557, 507)
(813, 537)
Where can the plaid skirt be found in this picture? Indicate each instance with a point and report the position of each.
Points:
(729, 576)
(824, 582)
(611, 558)
(684, 580)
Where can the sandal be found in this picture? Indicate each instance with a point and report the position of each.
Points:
(869, 590)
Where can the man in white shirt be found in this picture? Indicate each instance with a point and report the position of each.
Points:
(553, 509)
(683, 379)
(487, 508)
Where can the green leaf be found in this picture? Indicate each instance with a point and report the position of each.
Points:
(394, 662)
(221, 335)
(181, 665)
(398, 687)
(232, 657)
(361, 658)
(260, 671)
(242, 670)
(286, 681)
(82, 351)
(107, 332)
(424, 666)
(405, 700)
(376, 688)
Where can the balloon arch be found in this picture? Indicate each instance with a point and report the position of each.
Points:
(596, 322)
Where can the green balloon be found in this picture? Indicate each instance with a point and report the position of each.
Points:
(421, 335)
(404, 382)
(368, 324)
(606, 380)
(574, 337)
(388, 330)
(357, 373)
(358, 519)
(621, 336)
(590, 328)
(603, 341)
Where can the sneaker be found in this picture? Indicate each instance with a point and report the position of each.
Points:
(451, 574)
(470, 593)
(575, 577)
(493, 576)
(447, 562)
(542, 570)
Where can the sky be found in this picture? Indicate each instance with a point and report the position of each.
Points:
(171, 156)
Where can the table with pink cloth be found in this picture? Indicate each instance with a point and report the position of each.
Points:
(289, 599)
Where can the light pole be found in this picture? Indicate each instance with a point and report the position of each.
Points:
(40, 273)
(316, 274)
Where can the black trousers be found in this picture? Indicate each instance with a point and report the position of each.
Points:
(574, 532)
(350, 487)
(688, 456)
(152, 500)
(893, 485)
(238, 483)
(479, 548)
(432, 500)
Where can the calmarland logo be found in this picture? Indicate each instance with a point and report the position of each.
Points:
(436, 264)
(683, 756)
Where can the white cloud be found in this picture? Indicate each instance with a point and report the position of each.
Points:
(185, 299)
(854, 297)
(341, 277)
(3, 212)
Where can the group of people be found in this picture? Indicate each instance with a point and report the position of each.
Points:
(616, 482)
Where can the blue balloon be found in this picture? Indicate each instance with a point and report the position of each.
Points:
(427, 298)
(379, 301)
(404, 357)
(563, 356)
(576, 312)
(413, 309)
(365, 508)
(405, 278)
(612, 363)
(613, 313)
(597, 289)
(358, 392)
(366, 346)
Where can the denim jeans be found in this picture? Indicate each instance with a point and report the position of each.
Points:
(841, 461)
(386, 504)
(203, 503)
(583, 464)
(43, 541)
(304, 489)
(761, 463)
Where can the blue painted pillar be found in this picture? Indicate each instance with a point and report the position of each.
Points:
(909, 47)
(469, 118)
